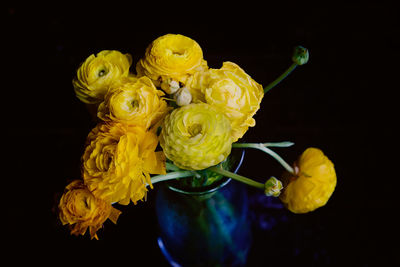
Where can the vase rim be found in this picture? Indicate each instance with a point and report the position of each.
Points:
(208, 189)
(211, 188)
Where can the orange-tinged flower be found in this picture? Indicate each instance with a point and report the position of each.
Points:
(312, 185)
(80, 209)
(134, 101)
(118, 161)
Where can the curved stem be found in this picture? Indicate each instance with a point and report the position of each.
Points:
(279, 159)
(170, 176)
(280, 78)
(274, 144)
(237, 177)
(279, 144)
(171, 167)
(262, 147)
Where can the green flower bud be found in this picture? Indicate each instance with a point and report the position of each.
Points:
(300, 55)
(273, 187)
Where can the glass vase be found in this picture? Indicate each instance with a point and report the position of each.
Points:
(205, 226)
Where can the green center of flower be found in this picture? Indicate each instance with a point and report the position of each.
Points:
(135, 104)
(195, 129)
(102, 72)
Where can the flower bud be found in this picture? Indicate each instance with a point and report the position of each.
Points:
(300, 55)
(170, 86)
(273, 187)
(183, 97)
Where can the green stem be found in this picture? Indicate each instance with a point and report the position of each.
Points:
(275, 144)
(171, 167)
(170, 176)
(262, 147)
(237, 177)
(280, 78)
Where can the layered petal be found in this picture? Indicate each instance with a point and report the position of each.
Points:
(118, 161)
(134, 101)
(196, 136)
(80, 209)
(171, 56)
(98, 72)
(313, 184)
(231, 91)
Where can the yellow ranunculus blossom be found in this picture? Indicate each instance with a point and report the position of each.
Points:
(196, 136)
(118, 161)
(97, 73)
(230, 90)
(134, 101)
(80, 209)
(171, 56)
(313, 184)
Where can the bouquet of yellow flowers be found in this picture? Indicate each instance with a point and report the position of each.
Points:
(175, 118)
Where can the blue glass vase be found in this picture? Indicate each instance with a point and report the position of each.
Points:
(205, 226)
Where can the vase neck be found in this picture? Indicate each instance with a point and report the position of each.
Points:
(198, 191)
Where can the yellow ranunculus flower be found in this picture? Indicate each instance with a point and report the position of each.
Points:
(134, 101)
(79, 208)
(97, 73)
(196, 136)
(313, 184)
(118, 161)
(171, 56)
(230, 90)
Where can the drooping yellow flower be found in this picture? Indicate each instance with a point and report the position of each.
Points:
(313, 184)
(230, 90)
(196, 136)
(79, 208)
(171, 56)
(97, 73)
(118, 161)
(134, 101)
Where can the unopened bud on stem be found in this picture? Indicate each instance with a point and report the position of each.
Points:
(273, 187)
(300, 55)
(183, 97)
(170, 86)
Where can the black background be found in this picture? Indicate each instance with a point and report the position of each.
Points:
(343, 101)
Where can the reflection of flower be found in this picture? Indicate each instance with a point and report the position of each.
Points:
(81, 209)
(196, 136)
(312, 185)
(171, 56)
(230, 90)
(118, 160)
(133, 101)
(97, 73)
